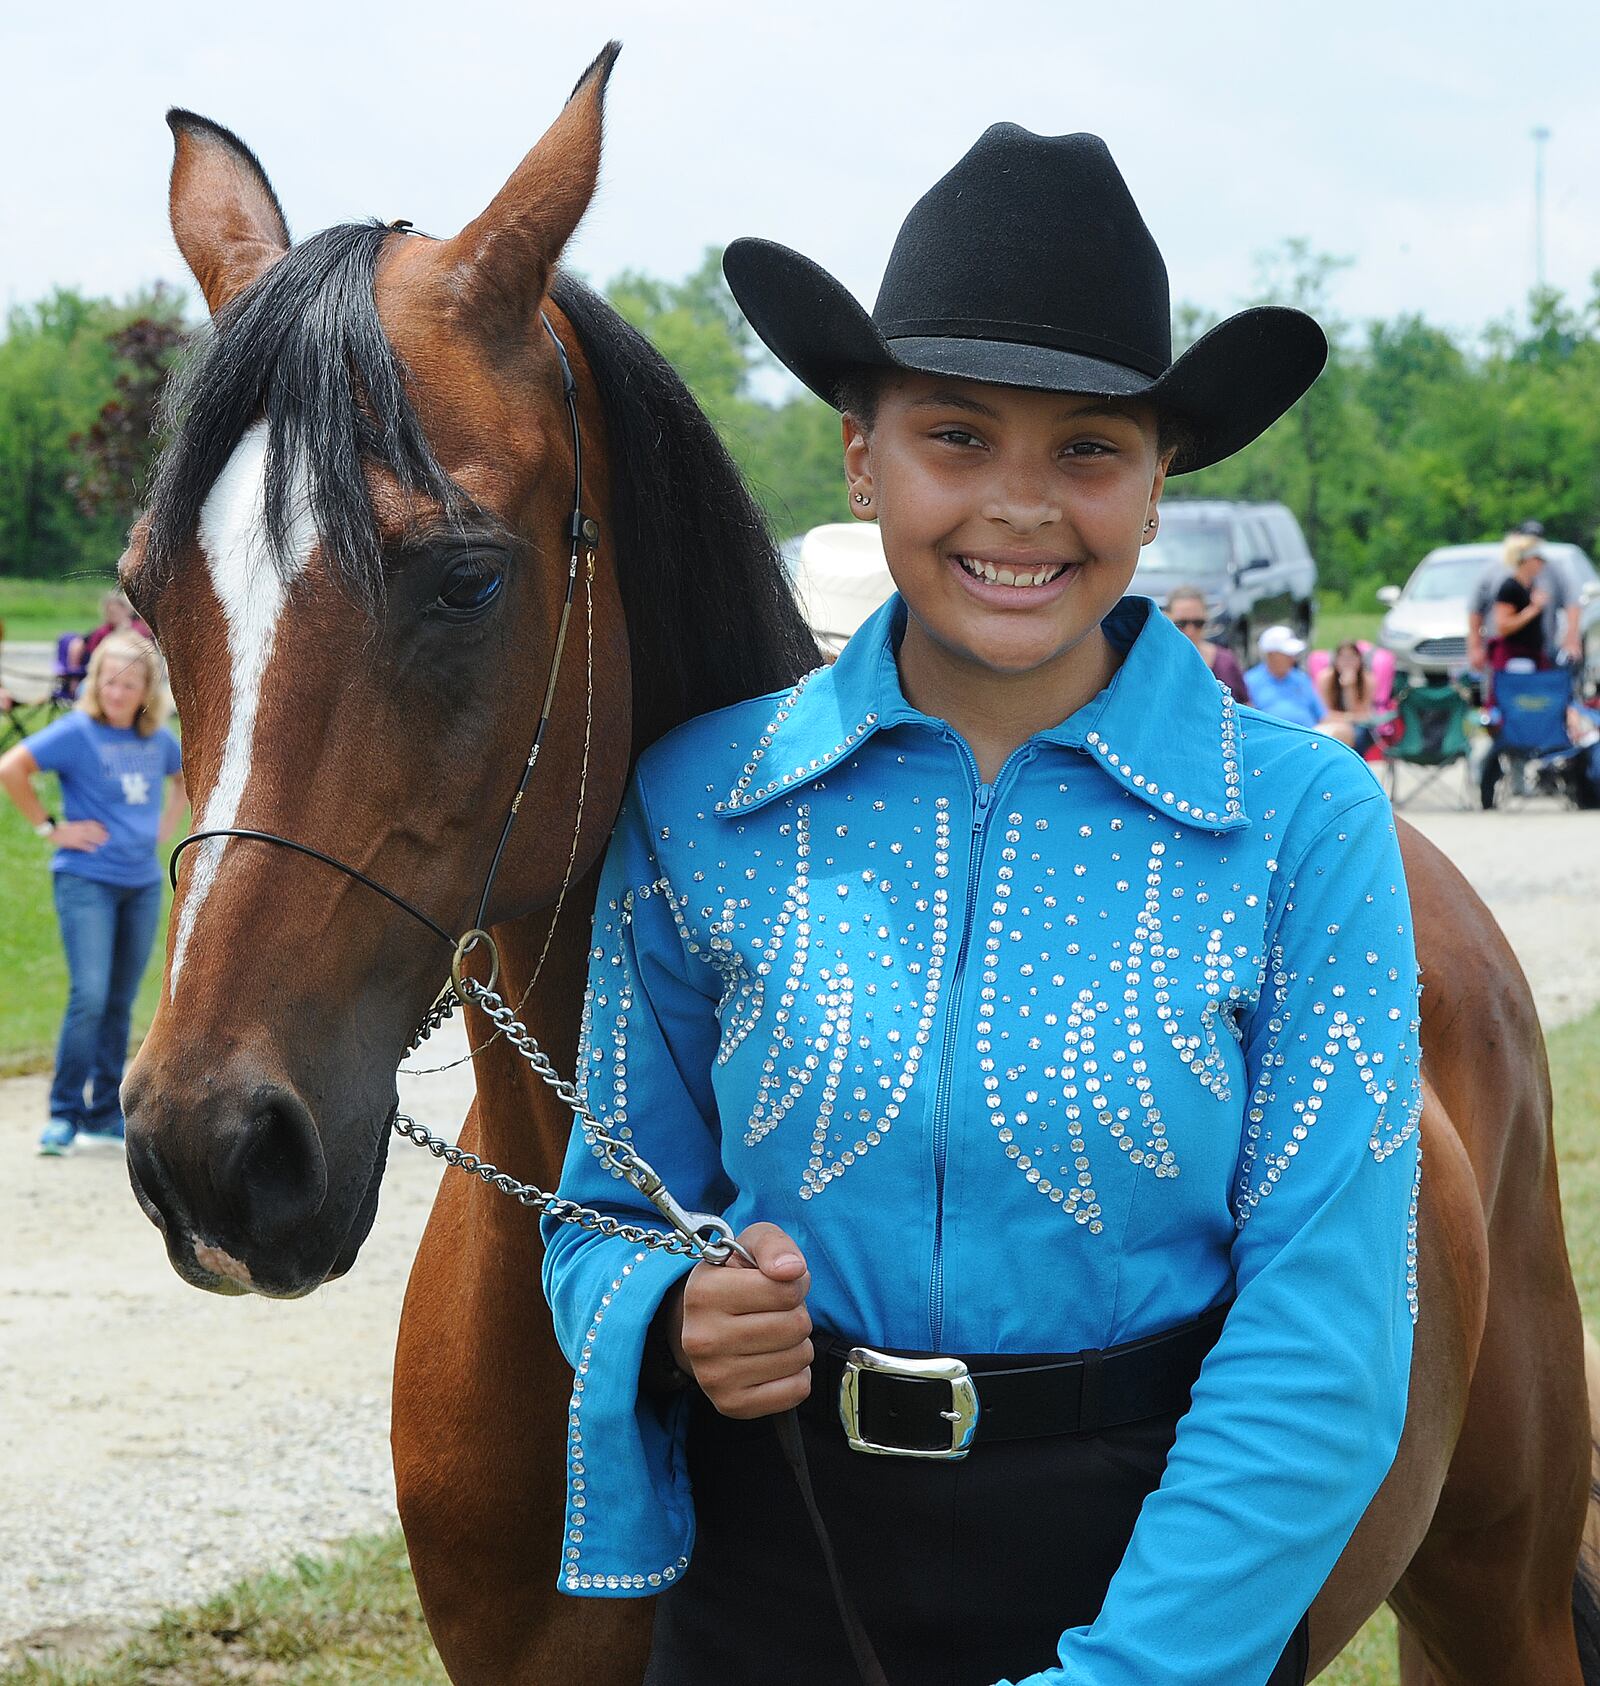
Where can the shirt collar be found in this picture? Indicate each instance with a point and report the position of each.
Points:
(1193, 775)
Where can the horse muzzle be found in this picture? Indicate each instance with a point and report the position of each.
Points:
(237, 1177)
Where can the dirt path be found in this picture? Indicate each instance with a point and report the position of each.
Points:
(155, 1442)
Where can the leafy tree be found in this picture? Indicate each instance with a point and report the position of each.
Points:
(1413, 437)
(118, 449)
(59, 365)
(788, 446)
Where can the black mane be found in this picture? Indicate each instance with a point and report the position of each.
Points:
(301, 348)
(711, 618)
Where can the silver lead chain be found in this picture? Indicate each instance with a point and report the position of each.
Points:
(697, 1235)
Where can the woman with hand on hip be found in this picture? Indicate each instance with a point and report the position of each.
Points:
(1045, 1025)
(114, 758)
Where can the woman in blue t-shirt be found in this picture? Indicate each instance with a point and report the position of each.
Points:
(113, 757)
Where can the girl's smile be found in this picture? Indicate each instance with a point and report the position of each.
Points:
(1014, 581)
(1011, 522)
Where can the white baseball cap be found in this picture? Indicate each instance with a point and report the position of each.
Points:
(1280, 641)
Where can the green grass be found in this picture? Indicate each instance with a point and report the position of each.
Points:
(351, 1618)
(33, 610)
(1337, 625)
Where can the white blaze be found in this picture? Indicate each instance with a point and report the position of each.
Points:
(248, 585)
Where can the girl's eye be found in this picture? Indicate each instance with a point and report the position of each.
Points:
(469, 585)
(957, 436)
(1088, 448)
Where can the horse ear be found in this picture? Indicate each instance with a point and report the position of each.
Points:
(225, 216)
(502, 259)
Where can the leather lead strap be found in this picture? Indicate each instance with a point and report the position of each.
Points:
(793, 1446)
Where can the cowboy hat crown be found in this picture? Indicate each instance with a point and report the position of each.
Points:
(1029, 265)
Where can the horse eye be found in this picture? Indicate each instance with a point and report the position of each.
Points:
(469, 586)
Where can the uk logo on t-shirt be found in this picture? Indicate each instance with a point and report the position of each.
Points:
(130, 765)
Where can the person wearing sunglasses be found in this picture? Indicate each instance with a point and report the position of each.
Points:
(1186, 609)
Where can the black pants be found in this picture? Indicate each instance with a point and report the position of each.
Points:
(963, 1573)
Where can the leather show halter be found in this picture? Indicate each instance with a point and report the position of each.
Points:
(698, 1235)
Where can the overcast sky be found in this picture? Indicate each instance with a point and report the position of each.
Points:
(1395, 134)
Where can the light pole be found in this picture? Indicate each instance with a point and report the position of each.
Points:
(1540, 136)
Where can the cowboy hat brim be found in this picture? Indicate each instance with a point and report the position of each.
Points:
(1226, 389)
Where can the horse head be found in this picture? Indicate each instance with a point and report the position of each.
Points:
(355, 558)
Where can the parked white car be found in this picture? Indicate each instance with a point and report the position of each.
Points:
(1426, 626)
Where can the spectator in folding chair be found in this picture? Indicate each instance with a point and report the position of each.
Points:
(1279, 685)
(1347, 693)
(1583, 727)
(118, 616)
(67, 674)
(1187, 610)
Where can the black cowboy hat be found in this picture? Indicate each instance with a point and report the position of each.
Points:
(1029, 265)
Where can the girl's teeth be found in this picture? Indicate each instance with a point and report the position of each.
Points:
(1007, 576)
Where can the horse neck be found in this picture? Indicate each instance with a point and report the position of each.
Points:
(519, 1122)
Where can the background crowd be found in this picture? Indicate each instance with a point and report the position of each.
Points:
(1523, 619)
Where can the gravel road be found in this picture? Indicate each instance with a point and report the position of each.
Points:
(156, 1442)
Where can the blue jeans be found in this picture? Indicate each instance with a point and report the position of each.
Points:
(107, 930)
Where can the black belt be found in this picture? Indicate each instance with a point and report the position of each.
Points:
(908, 1405)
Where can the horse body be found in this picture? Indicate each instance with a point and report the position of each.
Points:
(258, 1108)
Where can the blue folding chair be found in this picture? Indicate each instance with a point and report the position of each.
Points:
(1531, 752)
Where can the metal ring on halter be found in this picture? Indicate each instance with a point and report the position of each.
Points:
(464, 946)
(717, 1241)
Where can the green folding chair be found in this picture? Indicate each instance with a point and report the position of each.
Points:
(1426, 731)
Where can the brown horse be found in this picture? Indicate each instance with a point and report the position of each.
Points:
(355, 558)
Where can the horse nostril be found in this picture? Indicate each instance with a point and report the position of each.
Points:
(147, 1177)
(276, 1175)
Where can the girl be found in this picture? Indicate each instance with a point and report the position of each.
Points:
(113, 757)
(1345, 688)
(1044, 1023)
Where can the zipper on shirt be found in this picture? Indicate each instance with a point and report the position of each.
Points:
(982, 803)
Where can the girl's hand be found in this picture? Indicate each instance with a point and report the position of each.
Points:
(83, 836)
(743, 1334)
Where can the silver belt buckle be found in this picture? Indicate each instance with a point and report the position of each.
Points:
(962, 1415)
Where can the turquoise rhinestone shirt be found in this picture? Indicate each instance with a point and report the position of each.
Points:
(1034, 1066)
